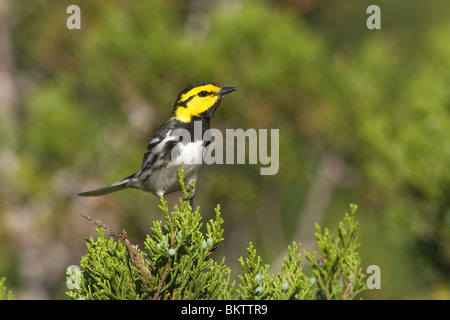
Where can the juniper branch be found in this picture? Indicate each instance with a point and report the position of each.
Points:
(136, 258)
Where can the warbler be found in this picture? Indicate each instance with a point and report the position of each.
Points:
(159, 169)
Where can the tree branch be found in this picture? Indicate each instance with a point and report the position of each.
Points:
(136, 258)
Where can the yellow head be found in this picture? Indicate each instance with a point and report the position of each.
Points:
(199, 100)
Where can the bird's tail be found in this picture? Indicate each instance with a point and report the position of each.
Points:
(116, 186)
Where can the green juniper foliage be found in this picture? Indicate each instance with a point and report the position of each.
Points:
(256, 283)
(4, 294)
(177, 263)
(338, 275)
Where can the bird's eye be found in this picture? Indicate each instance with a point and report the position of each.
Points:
(203, 94)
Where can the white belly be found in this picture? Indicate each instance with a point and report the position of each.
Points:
(188, 157)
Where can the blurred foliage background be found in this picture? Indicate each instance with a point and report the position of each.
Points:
(364, 117)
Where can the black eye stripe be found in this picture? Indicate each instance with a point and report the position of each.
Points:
(203, 93)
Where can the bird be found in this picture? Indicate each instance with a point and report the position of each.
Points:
(167, 153)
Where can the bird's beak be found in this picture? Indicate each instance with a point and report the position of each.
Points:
(226, 90)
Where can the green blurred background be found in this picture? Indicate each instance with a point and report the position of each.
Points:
(364, 117)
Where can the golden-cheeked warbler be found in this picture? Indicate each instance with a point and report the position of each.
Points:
(159, 170)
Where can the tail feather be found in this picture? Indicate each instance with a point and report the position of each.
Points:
(116, 186)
